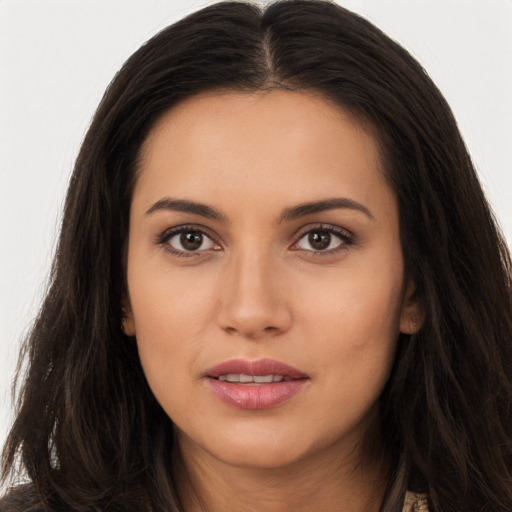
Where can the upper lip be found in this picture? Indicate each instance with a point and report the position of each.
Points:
(257, 367)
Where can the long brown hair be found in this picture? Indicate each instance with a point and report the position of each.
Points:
(89, 433)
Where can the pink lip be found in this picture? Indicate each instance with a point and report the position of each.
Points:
(255, 396)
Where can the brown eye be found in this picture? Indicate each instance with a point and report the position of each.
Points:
(323, 240)
(319, 240)
(190, 241)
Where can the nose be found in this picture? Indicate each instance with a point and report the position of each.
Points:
(254, 304)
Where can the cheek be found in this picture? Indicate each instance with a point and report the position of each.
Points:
(168, 301)
(359, 300)
(171, 316)
(354, 322)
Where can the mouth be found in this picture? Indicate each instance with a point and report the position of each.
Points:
(243, 378)
(253, 385)
(241, 370)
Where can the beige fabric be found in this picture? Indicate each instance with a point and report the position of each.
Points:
(415, 503)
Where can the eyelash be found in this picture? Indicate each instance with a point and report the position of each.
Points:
(167, 235)
(346, 240)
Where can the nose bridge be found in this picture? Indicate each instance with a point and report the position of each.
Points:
(252, 303)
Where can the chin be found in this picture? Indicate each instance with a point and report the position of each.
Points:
(250, 449)
(260, 456)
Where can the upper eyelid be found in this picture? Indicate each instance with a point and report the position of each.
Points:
(299, 233)
(172, 231)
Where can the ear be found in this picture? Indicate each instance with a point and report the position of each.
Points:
(412, 316)
(127, 323)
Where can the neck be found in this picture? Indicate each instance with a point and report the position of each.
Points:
(322, 482)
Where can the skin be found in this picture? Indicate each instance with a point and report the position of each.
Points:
(256, 288)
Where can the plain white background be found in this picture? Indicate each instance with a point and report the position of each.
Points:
(57, 57)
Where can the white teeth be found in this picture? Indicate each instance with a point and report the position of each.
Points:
(245, 379)
(263, 378)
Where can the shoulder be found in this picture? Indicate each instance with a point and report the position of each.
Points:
(22, 498)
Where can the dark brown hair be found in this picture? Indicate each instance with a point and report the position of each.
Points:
(89, 433)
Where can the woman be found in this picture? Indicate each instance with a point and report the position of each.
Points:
(278, 286)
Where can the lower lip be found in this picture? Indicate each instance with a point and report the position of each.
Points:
(256, 396)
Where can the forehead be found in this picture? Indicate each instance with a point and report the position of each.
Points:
(279, 111)
(298, 144)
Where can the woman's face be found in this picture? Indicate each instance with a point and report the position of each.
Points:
(265, 276)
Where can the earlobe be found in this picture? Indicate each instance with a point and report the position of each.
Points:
(410, 325)
(411, 318)
(127, 323)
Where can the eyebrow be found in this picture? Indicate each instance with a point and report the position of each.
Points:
(183, 205)
(304, 209)
(295, 212)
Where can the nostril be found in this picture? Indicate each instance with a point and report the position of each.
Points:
(252, 333)
(253, 315)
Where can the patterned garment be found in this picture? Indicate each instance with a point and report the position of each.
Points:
(24, 498)
(415, 502)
